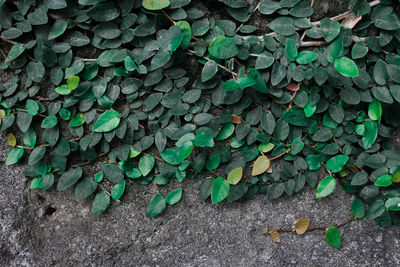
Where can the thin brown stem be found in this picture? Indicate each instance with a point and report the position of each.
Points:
(280, 155)
(219, 65)
(7, 41)
(168, 17)
(200, 41)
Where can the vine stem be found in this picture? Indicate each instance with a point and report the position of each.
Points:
(7, 41)
(315, 24)
(255, 9)
(168, 17)
(280, 155)
(319, 228)
(219, 65)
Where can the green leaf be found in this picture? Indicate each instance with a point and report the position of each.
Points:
(223, 48)
(49, 122)
(187, 33)
(36, 155)
(297, 146)
(32, 107)
(333, 237)
(306, 57)
(230, 85)
(100, 203)
(388, 22)
(384, 181)
(283, 25)
(376, 209)
(336, 163)
(118, 190)
(375, 110)
(77, 120)
(57, 29)
(73, 82)
(107, 121)
(235, 176)
(226, 131)
(15, 51)
(184, 151)
(326, 187)
(85, 188)
(146, 164)
(291, 49)
(69, 178)
(63, 90)
(335, 49)
(203, 139)
(129, 64)
(209, 70)
(155, 4)
(346, 67)
(358, 208)
(14, 156)
(220, 190)
(371, 129)
(393, 204)
(35, 71)
(260, 166)
(174, 196)
(156, 205)
(105, 11)
(360, 49)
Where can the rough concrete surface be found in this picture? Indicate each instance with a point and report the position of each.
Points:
(53, 229)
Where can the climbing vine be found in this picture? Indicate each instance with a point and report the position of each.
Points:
(268, 111)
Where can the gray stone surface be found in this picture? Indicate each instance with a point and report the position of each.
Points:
(53, 229)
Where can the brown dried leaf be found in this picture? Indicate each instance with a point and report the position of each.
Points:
(11, 140)
(274, 235)
(351, 20)
(301, 226)
(236, 119)
(293, 87)
(269, 170)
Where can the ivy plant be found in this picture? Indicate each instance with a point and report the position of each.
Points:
(118, 82)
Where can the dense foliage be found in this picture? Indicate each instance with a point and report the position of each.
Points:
(315, 95)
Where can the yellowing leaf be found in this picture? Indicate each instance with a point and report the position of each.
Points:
(11, 140)
(261, 165)
(301, 226)
(235, 176)
(274, 235)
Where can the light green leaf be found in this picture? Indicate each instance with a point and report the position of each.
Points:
(223, 48)
(146, 164)
(346, 67)
(326, 187)
(174, 196)
(306, 57)
(107, 121)
(336, 163)
(155, 4)
(220, 190)
(235, 176)
(14, 156)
